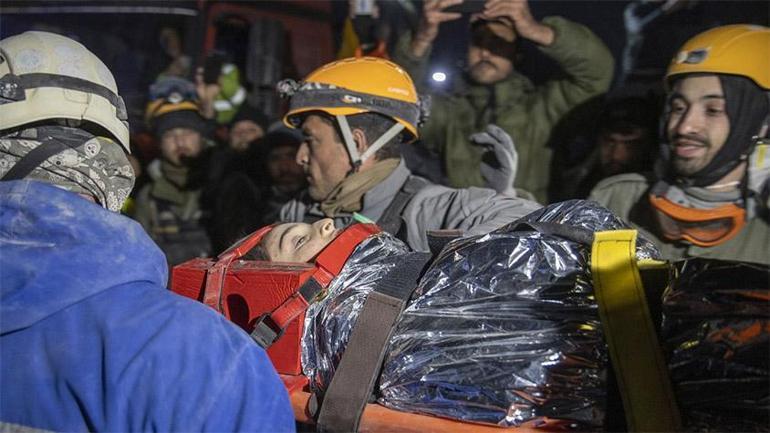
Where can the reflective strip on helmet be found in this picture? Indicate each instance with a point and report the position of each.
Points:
(35, 80)
(343, 98)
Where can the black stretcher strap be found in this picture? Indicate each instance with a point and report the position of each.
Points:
(353, 381)
(391, 220)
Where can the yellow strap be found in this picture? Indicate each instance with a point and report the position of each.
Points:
(639, 365)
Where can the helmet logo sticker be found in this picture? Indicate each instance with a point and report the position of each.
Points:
(350, 99)
(398, 90)
(692, 57)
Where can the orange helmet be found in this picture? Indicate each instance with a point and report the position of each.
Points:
(738, 49)
(354, 86)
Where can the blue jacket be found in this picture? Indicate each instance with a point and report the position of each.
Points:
(91, 339)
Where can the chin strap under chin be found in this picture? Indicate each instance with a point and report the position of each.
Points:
(350, 144)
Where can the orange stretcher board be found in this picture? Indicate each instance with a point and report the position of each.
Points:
(378, 418)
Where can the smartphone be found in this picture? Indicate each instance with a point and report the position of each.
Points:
(467, 7)
(212, 67)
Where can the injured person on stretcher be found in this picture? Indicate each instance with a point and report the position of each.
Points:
(501, 328)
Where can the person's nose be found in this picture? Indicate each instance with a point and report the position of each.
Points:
(691, 122)
(181, 143)
(325, 226)
(302, 156)
(484, 53)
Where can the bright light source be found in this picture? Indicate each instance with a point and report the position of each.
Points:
(439, 77)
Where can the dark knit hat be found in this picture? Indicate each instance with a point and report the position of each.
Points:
(180, 119)
(249, 112)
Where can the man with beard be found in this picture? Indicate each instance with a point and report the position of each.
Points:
(709, 195)
(492, 91)
(355, 114)
(169, 206)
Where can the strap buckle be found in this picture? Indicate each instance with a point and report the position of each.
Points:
(266, 331)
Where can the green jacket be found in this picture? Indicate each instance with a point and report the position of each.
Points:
(626, 196)
(172, 216)
(527, 112)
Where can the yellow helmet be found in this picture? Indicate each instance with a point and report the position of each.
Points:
(173, 103)
(738, 49)
(48, 76)
(353, 86)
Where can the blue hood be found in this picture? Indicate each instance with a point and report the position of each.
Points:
(41, 227)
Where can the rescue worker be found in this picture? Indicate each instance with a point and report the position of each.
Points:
(354, 114)
(169, 206)
(709, 194)
(492, 91)
(91, 339)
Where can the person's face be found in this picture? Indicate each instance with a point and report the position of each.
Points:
(244, 132)
(177, 144)
(489, 55)
(697, 124)
(487, 68)
(620, 152)
(285, 174)
(298, 242)
(323, 159)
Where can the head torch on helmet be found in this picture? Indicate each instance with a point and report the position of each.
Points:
(355, 86)
(701, 227)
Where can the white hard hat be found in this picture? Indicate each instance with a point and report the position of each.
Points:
(48, 76)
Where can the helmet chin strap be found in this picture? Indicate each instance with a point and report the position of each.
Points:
(347, 136)
(350, 143)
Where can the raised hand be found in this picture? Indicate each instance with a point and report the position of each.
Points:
(432, 16)
(517, 11)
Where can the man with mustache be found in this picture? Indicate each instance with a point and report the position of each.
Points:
(355, 115)
(492, 91)
(169, 206)
(709, 195)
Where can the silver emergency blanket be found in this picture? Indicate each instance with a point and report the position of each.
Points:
(716, 332)
(330, 320)
(504, 329)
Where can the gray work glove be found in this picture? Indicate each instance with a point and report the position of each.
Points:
(498, 165)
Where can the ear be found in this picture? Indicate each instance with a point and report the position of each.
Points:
(361, 141)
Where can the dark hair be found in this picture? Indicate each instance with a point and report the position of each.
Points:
(259, 252)
(628, 113)
(373, 125)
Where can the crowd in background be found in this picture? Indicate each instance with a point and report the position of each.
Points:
(214, 166)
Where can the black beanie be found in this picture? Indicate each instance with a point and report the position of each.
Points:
(249, 112)
(180, 119)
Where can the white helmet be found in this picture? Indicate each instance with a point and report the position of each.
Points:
(48, 76)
